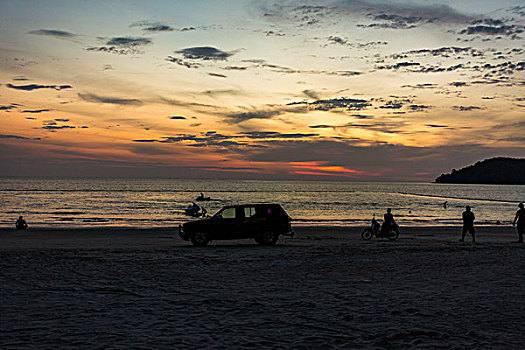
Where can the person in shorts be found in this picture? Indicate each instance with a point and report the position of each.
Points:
(468, 224)
(520, 218)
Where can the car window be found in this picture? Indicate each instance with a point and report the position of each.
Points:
(228, 213)
(249, 212)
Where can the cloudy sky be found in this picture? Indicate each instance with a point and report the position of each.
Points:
(338, 90)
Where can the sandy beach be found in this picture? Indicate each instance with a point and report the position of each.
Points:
(325, 288)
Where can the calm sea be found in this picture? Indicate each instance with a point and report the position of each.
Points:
(89, 202)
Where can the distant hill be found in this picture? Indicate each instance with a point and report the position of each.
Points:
(498, 171)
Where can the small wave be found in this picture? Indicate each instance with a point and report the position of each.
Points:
(328, 220)
(39, 212)
(95, 220)
(462, 198)
(67, 212)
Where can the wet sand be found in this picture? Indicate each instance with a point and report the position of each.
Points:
(325, 288)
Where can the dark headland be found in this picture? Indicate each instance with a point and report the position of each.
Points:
(498, 171)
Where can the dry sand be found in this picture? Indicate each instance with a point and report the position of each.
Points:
(326, 288)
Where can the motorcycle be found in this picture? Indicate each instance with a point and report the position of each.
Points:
(375, 229)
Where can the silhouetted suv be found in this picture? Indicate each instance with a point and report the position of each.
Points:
(262, 222)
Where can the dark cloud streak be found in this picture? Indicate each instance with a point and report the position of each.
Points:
(159, 28)
(61, 34)
(183, 63)
(36, 110)
(492, 30)
(466, 108)
(205, 53)
(336, 103)
(32, 87)
(259, 63)
(110, 100)
(128, 42)
(15, 137)
(123, 45)
(8, 108)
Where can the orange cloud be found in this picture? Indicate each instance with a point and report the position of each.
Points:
(238, 170)
(319, 168)
(315, 173)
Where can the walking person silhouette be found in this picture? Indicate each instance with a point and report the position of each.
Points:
(520, 217)
(468, 224)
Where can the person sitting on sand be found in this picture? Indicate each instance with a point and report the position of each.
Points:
(468, 224)
(520, 217)
(21, 224)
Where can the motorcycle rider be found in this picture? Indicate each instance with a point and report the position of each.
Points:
(389, 222)
(388, 229)
(375, 225)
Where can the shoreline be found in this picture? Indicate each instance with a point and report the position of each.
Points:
(48, 227)
(167, 237)
(294, 227)
(305, 226)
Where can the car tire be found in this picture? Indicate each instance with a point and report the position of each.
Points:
(367, 234)
(200, 239)
(267, 238)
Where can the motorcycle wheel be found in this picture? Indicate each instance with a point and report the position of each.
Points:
(393, 235)
(367, 234)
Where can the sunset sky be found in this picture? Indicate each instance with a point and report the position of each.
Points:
(333, 90)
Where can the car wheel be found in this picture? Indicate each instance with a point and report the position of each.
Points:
(267, 238)
(367, 234)
(200, 239)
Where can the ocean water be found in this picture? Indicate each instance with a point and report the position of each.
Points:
(86, 202)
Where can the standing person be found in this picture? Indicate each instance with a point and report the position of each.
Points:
(520, 217)
(445, 205)
(468, 224)
(21, 224)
